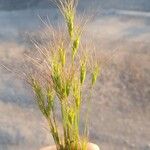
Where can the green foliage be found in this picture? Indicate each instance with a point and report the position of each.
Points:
(63, 80)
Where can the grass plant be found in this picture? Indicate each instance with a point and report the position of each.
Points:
(61, 76)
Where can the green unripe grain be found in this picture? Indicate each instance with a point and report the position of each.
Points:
(82, 73)
(75, 46)
(50, 100)
(77, 94)
(70, 27)
(62, 55)
(71, 115)
(95, 74)
(68, 88)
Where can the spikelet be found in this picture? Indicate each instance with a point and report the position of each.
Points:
(95, 74)
(77, 93)
(40, 99)
(50, 100)
(83, 72)
(69, 15)
(75, 46)
(70, 24)
(78, 100)
(56, 75)
(71, 115)
(68, 87)
(62, 55)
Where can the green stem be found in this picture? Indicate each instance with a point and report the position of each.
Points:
(54, 133)
(87, 113)
(63, 122)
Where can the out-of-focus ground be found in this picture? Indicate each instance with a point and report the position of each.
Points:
(120, 117)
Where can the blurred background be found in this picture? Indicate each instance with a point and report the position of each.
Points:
(120, 117)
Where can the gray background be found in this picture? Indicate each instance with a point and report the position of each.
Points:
(120, 117)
